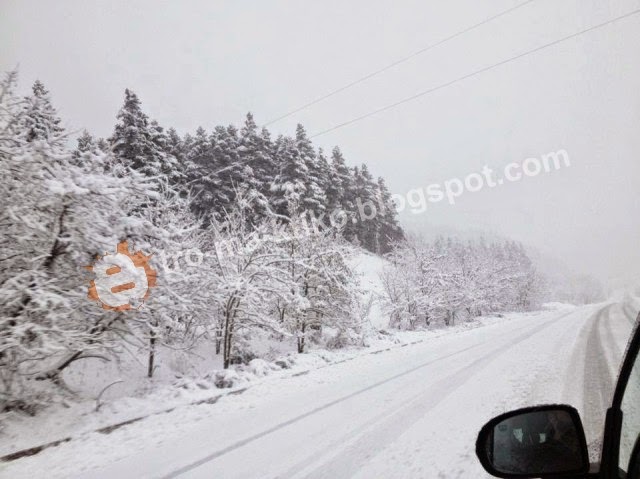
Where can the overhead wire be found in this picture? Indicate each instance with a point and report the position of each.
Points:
(474, 73)
(396, 63)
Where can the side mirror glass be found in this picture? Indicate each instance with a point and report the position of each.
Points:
(543, 441)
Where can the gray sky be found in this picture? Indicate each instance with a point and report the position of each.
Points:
(202, 63)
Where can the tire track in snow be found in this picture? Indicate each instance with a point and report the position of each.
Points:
(598, 382)
(551, 381)
(241, 443)
(361, 444)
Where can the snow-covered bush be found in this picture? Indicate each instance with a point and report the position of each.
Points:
(322, 286)
(57, 213)
(61, 209)
(444, 281)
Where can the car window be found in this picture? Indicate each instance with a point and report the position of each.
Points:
(631, 415)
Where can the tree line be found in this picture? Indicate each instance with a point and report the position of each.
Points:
(269, 227)
(272, 174)
(448, 280)
(235, 195)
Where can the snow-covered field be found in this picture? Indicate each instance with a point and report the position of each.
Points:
(411, 410)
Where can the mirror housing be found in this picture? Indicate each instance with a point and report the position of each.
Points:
(541, 441)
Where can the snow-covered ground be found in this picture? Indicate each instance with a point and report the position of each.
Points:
(407, 405)
(406, 411)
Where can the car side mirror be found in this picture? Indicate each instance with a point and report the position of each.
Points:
(542, 441)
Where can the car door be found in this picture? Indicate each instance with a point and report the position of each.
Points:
(621, 450)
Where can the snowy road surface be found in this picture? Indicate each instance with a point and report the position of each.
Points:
(409, 412)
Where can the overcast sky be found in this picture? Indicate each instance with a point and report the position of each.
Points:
(203, 63)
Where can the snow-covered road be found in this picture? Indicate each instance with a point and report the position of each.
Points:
(408, 412)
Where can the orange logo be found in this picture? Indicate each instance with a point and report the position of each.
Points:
(122, 280)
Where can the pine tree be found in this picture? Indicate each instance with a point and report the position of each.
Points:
(142, 143)
(289, 188)
(314, 199)
(282, 174)
(86, 143)
(189, 168)
(342, 192)
(251, 148)
(388, 228)
(102, 145)
(343, 175)
(233, 175)
(169, 163)
(130, 140)
(334, 191)
(268, 165)
(178, 148)
(41, 121)
(175, 145)
(257, 162)
(324, 172)
(200, 176)
(238, 174)
(366, 205)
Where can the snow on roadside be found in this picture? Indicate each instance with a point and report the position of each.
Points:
(209, 382)
(74, 420)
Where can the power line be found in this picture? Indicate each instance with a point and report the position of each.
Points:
(477, 72)
(396, 63)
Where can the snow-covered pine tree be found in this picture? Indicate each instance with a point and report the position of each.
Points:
(341, 192)
(142, 143)
(326, 176)
(288, 186)
(175, 145)
(334, 191)
(130, 140)
(256, 158)
(388, 228)
(85, 143)
(314, 199)
(343, 176)
(170, 167)
(287, 171)
(365, 192)
(233, 176)
(203, 176)
(41, 119)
